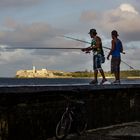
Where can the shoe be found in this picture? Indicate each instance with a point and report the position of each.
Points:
(116, 82)
(94, 82)
(103, 81)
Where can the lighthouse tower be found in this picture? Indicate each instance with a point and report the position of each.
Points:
(34, 70)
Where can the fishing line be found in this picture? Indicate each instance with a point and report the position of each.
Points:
(103, 47)
(60, 48)
(125, 63)
(85, 42)
(12, 48)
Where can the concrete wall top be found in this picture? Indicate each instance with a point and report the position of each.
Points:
(64, 87)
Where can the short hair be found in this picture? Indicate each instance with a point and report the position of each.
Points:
(92, 31)
(115, 33)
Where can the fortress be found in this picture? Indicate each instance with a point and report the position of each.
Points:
(42, 73)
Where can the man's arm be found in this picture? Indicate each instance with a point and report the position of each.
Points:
(88, 49)
(122, 49)
(112, 48)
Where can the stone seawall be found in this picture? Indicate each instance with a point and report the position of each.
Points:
(32, 112)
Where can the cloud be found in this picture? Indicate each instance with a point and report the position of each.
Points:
(34, 35)
(125, 19)
(132, 55)
(128, 8)
(88, 16)
(10, 23)
(15, 55)
(38, 35)
(18, 3)
(26, 34)
(70, 60)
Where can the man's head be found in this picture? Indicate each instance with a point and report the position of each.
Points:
(114, 33)
(92, 32)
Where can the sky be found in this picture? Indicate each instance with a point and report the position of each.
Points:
(42, 23)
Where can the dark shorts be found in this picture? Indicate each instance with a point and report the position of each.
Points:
(97, 61)
(115, 64)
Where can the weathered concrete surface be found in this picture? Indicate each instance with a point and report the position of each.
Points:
(65, 87)
(32, 112)
(125, 131)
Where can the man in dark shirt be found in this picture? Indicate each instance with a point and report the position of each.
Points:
(98, 56)
(116, 49)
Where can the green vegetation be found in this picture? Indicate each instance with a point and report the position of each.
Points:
(130, 73)
(124, 74)
(76, 74)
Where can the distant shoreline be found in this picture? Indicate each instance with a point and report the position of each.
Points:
(45, 73)
(108, 77)
(70, 77)
(133, 77)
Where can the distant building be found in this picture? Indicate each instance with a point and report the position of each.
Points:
(43, 73)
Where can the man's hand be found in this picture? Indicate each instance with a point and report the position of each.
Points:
(108, 57)
(86, 50)
(123, 52)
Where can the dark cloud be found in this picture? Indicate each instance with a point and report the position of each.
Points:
(39, 35)
(36, 34)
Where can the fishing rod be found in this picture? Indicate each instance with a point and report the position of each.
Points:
(127, 65)
(103, 47)
(60, 48)
(82, 41)
(69, 48)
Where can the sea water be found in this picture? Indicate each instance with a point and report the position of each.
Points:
(54, 81)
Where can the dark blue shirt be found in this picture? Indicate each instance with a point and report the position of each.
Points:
(118, 49)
